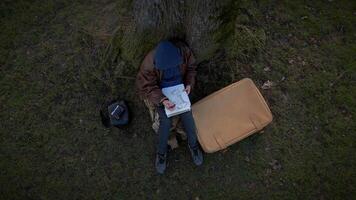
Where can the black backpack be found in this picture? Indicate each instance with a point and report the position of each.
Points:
(115, 113)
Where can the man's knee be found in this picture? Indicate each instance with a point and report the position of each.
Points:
(165, 121)
(187, 115)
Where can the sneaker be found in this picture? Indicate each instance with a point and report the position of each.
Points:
(197, 155)
(161, 163)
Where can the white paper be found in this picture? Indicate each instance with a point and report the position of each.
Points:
(179, 97)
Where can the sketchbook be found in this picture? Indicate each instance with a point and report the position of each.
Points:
(179, 97)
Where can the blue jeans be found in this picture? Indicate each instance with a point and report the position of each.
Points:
(166, 124)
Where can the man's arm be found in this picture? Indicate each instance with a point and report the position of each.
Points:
(147, 85)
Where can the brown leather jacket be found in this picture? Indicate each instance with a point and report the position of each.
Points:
(149, 77)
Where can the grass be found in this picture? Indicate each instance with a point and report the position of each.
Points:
(53, 82)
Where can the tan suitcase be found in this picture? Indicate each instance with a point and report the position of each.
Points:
(230, 115)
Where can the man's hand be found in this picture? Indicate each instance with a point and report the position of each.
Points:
(168, 104)
(187, 89)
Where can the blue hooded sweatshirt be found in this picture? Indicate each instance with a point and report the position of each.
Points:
(168, 59)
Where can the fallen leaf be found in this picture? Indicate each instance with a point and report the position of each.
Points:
(267, 69)
(225, 150)
(267, 85)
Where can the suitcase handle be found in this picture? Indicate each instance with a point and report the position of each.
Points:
(219, 141)
(254, 120)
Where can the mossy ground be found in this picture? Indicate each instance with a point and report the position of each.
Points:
(53, 82)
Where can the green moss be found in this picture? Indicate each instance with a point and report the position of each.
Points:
(239, 34)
